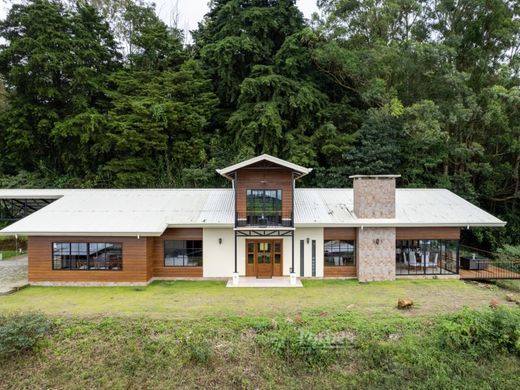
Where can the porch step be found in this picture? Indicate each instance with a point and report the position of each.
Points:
(274, 282)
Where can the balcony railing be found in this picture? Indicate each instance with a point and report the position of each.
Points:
(478, 264)
(263, 221)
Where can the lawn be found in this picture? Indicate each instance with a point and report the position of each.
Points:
(327, 335)
(8, 254)
(195, 299)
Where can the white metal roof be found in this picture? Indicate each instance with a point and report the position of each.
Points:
(414, 207)
(150, 212)
(128, 212)
(264, 157)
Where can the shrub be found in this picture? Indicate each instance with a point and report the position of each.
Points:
(200, 350)
(482, 333)
(20, 333)
(305, 346)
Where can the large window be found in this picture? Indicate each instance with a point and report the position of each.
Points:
(339, 253)
(264, 207)
(87, 256)
(430, 257)
(183, 253)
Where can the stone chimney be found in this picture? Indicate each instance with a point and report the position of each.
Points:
(374, 198)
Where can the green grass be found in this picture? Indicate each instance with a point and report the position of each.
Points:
(195, 299)
(8, 254)
(256, 352)
(330, 334)
(512, 285)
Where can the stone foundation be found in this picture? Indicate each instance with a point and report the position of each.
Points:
(90, 284)
(375, 254)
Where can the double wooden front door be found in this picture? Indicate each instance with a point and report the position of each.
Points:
(264, 258)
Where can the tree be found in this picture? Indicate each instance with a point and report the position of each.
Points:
(54, 70)
(161, 104)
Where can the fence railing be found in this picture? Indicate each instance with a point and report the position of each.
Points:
(259, 220)
(480, 264)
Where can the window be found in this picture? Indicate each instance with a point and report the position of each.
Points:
(430, 257)
(105, 256)
(264, 207)
(183, 253)
(339, 253)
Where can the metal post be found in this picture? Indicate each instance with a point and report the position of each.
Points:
(236, 264)
(292, 242)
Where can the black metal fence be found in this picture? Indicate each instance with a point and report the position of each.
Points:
(261, 220)
(477, 264)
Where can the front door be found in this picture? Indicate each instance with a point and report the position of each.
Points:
(264, 258)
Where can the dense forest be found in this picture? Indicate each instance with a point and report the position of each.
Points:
(102, 93)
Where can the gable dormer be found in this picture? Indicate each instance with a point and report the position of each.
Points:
(264, 191)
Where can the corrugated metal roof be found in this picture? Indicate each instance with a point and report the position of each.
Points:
(128, 212)
(149, 212)
(414, 207)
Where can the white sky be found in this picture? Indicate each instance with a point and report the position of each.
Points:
(189, 12)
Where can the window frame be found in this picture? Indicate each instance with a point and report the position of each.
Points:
(185, 255)
(254, 214)
(341, 242)
(88, 255)
(444, 247)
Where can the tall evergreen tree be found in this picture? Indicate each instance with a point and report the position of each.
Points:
(55, 69)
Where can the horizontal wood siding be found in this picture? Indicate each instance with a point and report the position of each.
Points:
(340, 271)
(135, 261)
(159, 270)
(339, 233)
(272, 178)
(428, 233)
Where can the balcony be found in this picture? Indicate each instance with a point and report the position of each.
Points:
(263, 220)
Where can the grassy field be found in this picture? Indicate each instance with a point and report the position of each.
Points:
(8, 254)
(328, 335)
(195, 299)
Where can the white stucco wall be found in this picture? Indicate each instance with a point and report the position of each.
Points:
(218, 259)
(311, 234)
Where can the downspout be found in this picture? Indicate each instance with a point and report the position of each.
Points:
(292, 224)
(236, 220)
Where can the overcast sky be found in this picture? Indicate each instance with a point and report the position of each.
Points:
(189, 12)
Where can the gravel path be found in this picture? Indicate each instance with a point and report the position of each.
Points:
(13, 274)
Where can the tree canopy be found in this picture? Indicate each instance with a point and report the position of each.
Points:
(104, 94)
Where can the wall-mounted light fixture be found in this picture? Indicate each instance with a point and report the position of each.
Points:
(377, 241)
(220, 241)
(308, 240)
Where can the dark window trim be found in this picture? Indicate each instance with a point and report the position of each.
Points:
(182, 266)
(313, 257)
(424, 270)
(88, 257)
(269, 214)
(353, 243)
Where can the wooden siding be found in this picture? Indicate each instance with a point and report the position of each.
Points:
(135, 261)
(428, 233)
(340, 271)
(158, 268)
(339, 233)
(270, 178)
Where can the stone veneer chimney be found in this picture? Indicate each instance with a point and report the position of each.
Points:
(374, 198)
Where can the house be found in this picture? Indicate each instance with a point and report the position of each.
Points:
(263, 226)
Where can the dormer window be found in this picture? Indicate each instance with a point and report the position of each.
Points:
(264, 207)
